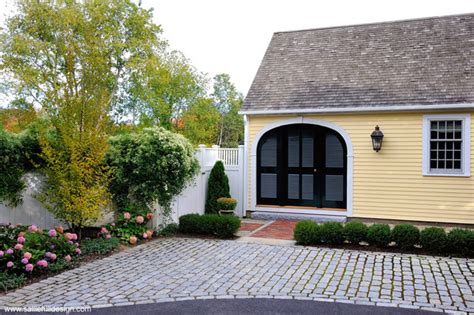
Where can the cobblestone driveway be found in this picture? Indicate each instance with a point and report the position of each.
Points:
(183, 269)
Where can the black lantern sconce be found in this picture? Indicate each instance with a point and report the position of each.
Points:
(377, 138)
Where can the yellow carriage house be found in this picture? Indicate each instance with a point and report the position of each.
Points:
(368, 121)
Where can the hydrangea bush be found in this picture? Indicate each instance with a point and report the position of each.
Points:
(30, 250)
(131, 225)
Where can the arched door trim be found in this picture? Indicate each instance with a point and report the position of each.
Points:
(311, 121)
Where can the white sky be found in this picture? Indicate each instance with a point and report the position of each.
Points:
(231, 36)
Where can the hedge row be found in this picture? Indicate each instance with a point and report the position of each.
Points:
(404, 236)
(209, 224)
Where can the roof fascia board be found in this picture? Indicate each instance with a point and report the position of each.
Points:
(360, 109)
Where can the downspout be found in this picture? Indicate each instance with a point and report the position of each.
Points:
(246, 171)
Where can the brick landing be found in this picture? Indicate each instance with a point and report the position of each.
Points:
(279, 229)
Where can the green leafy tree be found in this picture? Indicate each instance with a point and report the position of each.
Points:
(228, 102)
(71, 59)
(217, 187)
(200, 122)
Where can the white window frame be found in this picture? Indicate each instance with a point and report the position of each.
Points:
(465, 148)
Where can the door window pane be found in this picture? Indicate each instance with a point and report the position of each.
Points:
(335, 187)
(307, 187)
(268, 153)
(268, 185)
(308, 149)
(293, 148)
(334, 151)
(293, 186)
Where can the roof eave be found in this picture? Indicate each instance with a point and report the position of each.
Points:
(360, 109)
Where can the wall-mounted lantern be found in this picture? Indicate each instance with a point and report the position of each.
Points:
(377, 138)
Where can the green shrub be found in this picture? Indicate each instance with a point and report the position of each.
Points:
(378, 235)
(433, 239)
(209, 224)
(355, 232)
(406, 235)
(169, 230)
(217, 187)
(461, 242)
(100, 246)
(307, 233)
(11, 281)
(189, 223)
(332, 233)
(226, 203)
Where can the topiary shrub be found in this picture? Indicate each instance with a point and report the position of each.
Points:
(217, 187)
(355, 232)
(332, 233)
(169, 230)
(433, 239)
(406, 235)
(209, 224)
(307, 233)
(461, 242)
(378, 235)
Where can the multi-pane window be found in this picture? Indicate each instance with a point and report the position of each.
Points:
(446, 145)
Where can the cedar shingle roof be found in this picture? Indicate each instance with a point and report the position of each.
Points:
(416, 62)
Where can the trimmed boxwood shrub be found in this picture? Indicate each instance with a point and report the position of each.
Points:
(406, 235)
(209, 224)
(378, 235)
(355, 232)
(332, 233)
(461, 242)
(433, 239)
(307, 233)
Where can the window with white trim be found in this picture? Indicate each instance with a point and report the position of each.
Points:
(446, 145)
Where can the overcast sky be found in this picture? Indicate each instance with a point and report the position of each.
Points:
(230, 36)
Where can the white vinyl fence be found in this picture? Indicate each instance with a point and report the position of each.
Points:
(192, 200)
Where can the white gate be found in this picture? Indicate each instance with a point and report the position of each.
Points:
(193, 199)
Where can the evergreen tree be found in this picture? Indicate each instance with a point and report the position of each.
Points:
(217, 186)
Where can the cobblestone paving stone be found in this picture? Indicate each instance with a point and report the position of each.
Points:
(179, 269)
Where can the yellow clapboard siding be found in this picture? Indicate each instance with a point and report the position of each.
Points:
(389, 184)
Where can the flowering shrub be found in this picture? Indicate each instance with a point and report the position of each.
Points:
(30, 250)
(131, 225)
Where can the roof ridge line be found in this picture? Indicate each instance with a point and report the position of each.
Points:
(377, 23)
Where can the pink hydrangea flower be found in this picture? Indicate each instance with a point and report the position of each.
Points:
(74, 236)
(18, 246)
(29, 267)
(42, 263)
(68, 236)
(149, 215)
(145, 236)
(10, 264)
(78, 251)
(21, 234)
(9, 251)
(113, 224)
(68, 258)
(24, 261)
(127, 216)
(52, 257)
(27, 255)
(20, 239)
(59, 229)
(104, 230)
(139, 219)
(1, 253)
(108, 236)
(52, 233)
(32, 228)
